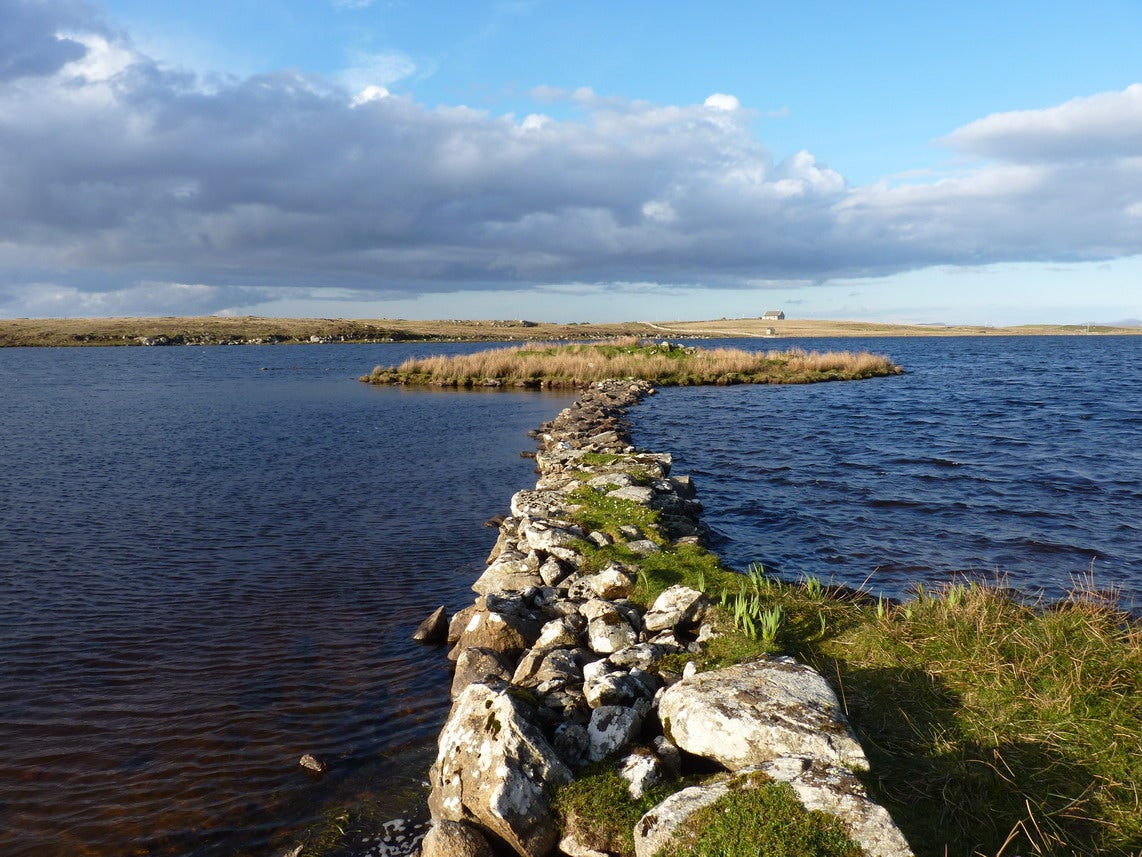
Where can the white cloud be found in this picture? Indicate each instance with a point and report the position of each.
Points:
(369, 93)
(102, 58)
(1106, 125)
(282, 185)
(377, 70)
(660, 211)
(720, 101)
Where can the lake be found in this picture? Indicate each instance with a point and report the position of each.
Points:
(211, 559)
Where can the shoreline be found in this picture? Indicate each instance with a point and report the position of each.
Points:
(569, 645)
(899, 693)
(256, 330)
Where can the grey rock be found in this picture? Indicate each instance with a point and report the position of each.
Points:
(643, 655)
(669, 755)
(312, 763)
(746, 714)
(454, 839)
(458, 622)
(612, 728)
(832, 789)
(643, 547)
(552, 571)
(434, 629)
(612, 481)
(477, 664)
(677, 607)
(635, 493)
(495, 768)
(684, 487)
(611, 583)
(655, 830)
(549, 535)
(561, 633)
(572, 743)
(610, 632)
(572, 847)
(540, 505)
(548, 671)
(505, 633)
(511, 572)
(642, 771)
(605, 684)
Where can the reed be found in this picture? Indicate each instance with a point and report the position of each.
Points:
(569, 366)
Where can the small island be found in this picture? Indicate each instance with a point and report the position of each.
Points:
(668, 365)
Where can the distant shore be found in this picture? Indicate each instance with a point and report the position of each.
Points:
(256, 330)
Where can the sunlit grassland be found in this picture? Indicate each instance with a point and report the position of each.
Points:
(564, 366)
(995, 726)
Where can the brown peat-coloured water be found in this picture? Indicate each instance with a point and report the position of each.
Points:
(211, 561)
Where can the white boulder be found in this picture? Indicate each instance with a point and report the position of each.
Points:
(749, 713)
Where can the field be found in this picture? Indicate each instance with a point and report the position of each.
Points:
(255, 330)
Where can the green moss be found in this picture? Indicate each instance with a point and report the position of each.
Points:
(598, 809)
(599, 512)
(764, 820)
(601, 459)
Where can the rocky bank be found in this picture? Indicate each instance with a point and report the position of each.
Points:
(557, 668)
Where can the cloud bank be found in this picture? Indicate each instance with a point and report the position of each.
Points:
(128, 185)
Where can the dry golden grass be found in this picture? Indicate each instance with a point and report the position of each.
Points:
(576, 365)
(794, 328)
(212, 330)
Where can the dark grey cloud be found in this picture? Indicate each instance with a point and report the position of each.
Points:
(127, 183)
(33, 37)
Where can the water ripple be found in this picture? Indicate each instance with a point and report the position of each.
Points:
(984, 458)
(207, 570)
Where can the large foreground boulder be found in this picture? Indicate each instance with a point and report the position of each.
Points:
(495, 769)
(749, 713)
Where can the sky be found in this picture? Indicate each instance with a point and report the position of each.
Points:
(940, 162)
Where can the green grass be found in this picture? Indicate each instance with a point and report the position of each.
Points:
(598, 809)
(764, 819)
(998, 727)
(994, 727)
(599, 513)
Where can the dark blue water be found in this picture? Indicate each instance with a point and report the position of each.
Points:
(211, 560)
(1016, 458)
